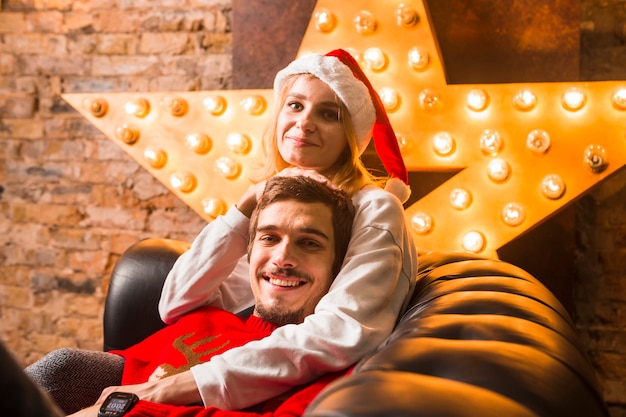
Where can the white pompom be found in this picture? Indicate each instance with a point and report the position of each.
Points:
(398, 188)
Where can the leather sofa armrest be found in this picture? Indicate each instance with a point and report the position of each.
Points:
(131, 307)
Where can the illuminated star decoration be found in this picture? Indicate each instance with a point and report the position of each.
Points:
(523, 151)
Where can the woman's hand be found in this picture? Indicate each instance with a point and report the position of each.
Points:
(247, 202)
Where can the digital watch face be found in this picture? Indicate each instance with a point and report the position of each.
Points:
(117, 404)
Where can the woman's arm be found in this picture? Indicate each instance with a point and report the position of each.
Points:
(197, 276)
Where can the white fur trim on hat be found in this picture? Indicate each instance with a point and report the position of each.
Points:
(339, 77)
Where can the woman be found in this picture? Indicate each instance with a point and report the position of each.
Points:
(325, 114)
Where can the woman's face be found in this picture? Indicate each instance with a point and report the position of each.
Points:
(310, 132)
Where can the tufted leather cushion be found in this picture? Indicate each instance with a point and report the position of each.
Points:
(131, 308)
(481, 337)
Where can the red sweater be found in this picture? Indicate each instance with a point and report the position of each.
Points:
(195, 338)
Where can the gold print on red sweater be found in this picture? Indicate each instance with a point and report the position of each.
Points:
(190, 353)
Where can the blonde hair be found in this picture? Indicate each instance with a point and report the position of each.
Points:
(351, 174)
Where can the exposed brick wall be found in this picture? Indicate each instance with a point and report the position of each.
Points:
(600, 285)
(70, 200)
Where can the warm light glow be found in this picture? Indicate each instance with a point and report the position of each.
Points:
(533, 129)
(98, 107)
(443, 143)
(595, 158)
(421, 223)
(553, 187)
(491, 142)
(513, 214)
(176, 106)
(155, 157)
(375, 59)
(183, 181)
(498, 170)
(460, 198)
(139, 107)
(390, 99)
(199, 143)
(429, 100)
(254, 105)
(127, 134)
(406, 16)
(418, 59)
(214, 206)
(473, 241)
(238, 143)
(538, 141)
(325, 21)
(574, 99)
(525, 100)
(227, 168)
(215, 104)
(619, 99)
(365, 23)
(477, 99)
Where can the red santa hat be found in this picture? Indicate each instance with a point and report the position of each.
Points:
(340, 71)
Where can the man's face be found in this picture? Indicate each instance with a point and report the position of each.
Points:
(291, 260)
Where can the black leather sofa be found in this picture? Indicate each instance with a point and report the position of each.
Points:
(481, 338)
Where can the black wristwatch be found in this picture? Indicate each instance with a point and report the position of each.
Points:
(117, 404)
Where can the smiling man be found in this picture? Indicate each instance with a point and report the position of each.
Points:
(297, 245)
(299, 234)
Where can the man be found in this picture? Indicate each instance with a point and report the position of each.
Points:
(299, 234)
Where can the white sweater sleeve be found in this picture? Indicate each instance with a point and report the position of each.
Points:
(357, 314)
(198, 275)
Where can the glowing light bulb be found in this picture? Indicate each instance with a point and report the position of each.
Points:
(618, 99)
(199, 143)
(139, 107)
(183, 181)
(365, 23)
(421, 223)
(473, 241)
(216, 105)
(98, 107)
(595, 158)
(460, 198)
(491, 142)
(573, 99)
(325, 21)
(498, 170)
(214, 207)
(524, 100)
(443, 143)
(176, 106)
(405, 144)
(390, 98)
(429, 100)
(254, 105)
(227, 168)
(553, 187)
(513, 214)
(419, 59)
(406, 16)
(477, 99)
(375, 59)
(157, 158)
(238, 143)
(127, 134)
(538, 141)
